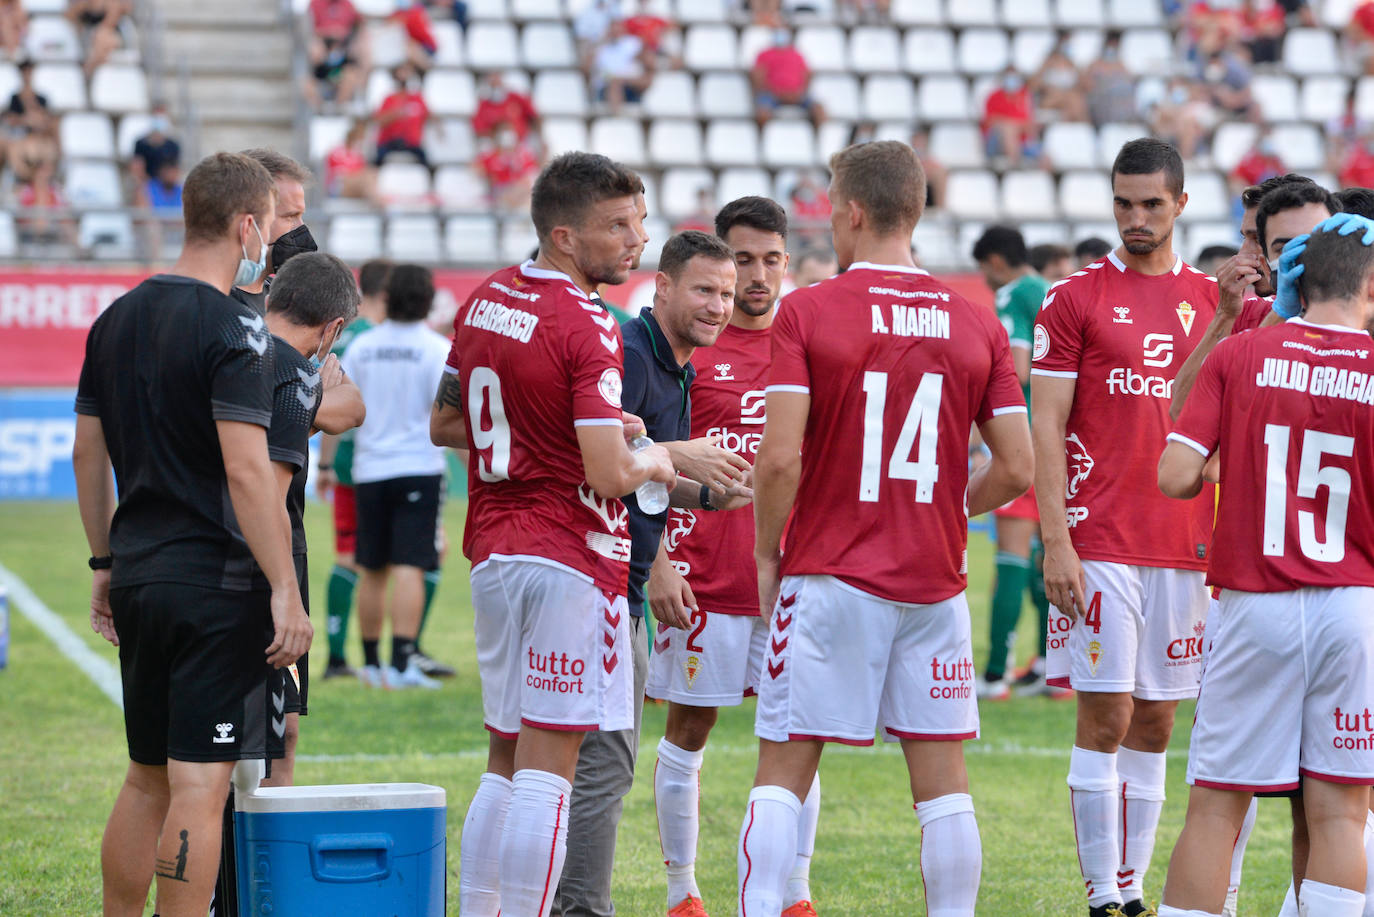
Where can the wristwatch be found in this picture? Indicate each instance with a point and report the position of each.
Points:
(705, 498)
(100, 563)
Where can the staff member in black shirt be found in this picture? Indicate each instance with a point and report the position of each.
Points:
(193, 573)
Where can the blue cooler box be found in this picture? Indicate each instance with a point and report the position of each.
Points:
(374, 849)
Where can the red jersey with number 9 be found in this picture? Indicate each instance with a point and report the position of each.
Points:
(1292, 409)
(898, 367)
(536, 358)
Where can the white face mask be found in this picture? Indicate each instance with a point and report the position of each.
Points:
(249, 270)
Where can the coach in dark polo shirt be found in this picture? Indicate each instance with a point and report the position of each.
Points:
(693, 299)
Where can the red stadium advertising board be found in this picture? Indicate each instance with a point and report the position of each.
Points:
(45, 314)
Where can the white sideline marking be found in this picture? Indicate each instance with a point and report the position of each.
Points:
(96, 667)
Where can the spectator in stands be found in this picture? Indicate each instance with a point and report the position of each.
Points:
(348, 172)
(42, 200)
(1344, 131)
(28, 108)
(1057, 86)
(99, 21)
(1360, 35)
(766, 12)
(661, 37)
(1091, 249)
(781, 77)
(1227, 76)
(14, 22)
(1211, 26)
(1008, 121)
(1358, 168)
(509, 166)
(337, 21)
(703, 218)
(160, 193)
(937, 176)
(401, 118)
(1211, 258)
(812, 265)
(619, 74)
(152, 152)
(335, 74)
(421, 43)
(500, 106)
(1110, 87)
(590, 27)
(1260, 163)
(1265, 22)
(1053, 262)
(34, 150)
(1183, 116)
(808, 205)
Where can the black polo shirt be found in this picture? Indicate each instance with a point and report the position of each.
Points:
(655, 389)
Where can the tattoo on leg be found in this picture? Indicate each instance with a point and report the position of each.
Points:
(175, 868)
(450, 393)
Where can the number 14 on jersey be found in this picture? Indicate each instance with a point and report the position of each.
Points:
(920, 429)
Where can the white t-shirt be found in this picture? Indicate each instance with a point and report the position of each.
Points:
(397, 367)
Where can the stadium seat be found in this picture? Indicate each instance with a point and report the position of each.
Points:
(488, 9)
(936, 244)
(650, 192)
(1208, 198)
(1085, 46)
(737, 183)
(1335, 14)
(65, 87)
(928, 51)
(131, 129)
(9, 79)
(831, 137)
(1364, 98)
(973, 194)
(450, 92)
(725, 95)
(325, 133)
(471, 239)
(1130, 13)
(709, 47)
(386, 42)
(413, 237)
(450, 39)
(1100, 229)
(107, 235)
(1112, 137)
(1323, 98)
(355, 236)
(40, 7)
(492, 46)
(753, 39)
(957, 145)
(1147, 51)
(732, 143)
(380, 84)
(1030, 47)
(1026, 14)
(1300, 146)
(1310, 51)
(672, 94)
(916, 12)
(547, 44)
(1231, 141)
(87, 135)
(459, 188)
(943, 98)
(788, 143)
(1277, 96)
(1072, 14)
(518, 239)
(1085, 195)
(52, 38)
(93, 184)
(1070, 145)
(983, 51)
(536, 9)
(518, 81)
(659, 231)
(449, 141)
(375, 9)
(874, 50)
(963, 13)
(619, 138)
(1201, 235)
(838, 93)
(822, 46)
(702, 11)
(808, 10)
(674, 142)
(888, 97)
(564, 135)
(564, 92)
(679, 190)
(404, 185)
(1028, 194)
(1041, 233)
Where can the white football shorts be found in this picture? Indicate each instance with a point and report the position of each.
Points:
(715, 663)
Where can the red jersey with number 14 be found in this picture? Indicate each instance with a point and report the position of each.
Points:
(715, 550)
(898, 367)
(536, 358)
(1122, 336)
(1292, 409)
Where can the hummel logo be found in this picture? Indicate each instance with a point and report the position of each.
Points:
(607, 322)
(1123, 315)
(257, 338)
(224, 738)
(610, 343)
(723, 373)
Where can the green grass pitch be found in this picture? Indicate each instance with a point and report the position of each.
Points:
(62, 757)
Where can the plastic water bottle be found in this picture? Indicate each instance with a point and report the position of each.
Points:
(652, 496)
(4, 627)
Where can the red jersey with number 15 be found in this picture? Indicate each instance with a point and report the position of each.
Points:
(714, 550)
(898, 367)
(1292, 409)
(536, 358)
(1122, 336)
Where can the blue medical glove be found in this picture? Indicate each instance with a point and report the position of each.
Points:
(1286, 300)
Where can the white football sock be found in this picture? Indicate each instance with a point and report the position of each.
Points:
(951, 855)
(1141, 775)
(677, 789)
(479, 860)
(534, 844)
(1290, 903)
(799, 883)
(1317, 899)
(1093, 791)
(767, 849)
(1238, 851)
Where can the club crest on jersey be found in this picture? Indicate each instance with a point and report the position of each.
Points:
(1094, 656)
(1186, 313)
(610, 386)
(691, 668)
(1123, 315)
(724, 373)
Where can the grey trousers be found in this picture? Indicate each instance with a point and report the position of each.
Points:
(605, 771)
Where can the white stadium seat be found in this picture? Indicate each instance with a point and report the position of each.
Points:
(1231, 141)
(492, 46)
(1277, 96)
(518, 239)
(325, 133)
(536, 9)
(65, 86)
(916, 12)
(450, 92)
(1026, 14)
(1300, 147)
(386, 41)
(39, 7)
(709, 47)
(94, 185)
(1208, 198)
(838, 93)
(659, 231)
(564, 135)
(874, 50)
(1071, 145)
(1085, 196)
(1078, 13)
(678, 193)
(449, 141)
(1041, 233)
(928, 51)
(822, 46)
(87, 135)
(52, 38)
(732, 143)
(450, 40)
(983, 51)
(1323, 98)
(1335, 14)
(355, 236)
(471, 239)
(1112, 137)
(1309, 51)
(831, 137)
(488, 9)
(563, 92)
(1030, 47)
(725, 95)
(1085, 46)
(413, 237)
(972, 12)
(737, 183)
(702, 11)
(459, 188)
(547, 44)
(403, 185)
(108, 235)
(672, 94)
(944, 98)
(1364, 98)
(674, 142)
(888, 97)
(1028, 194)
(935, 244)
(789, 143)
(753, 39)
(1126, 13)
(376, 9)
(958, 145)
(380, 84)
(1147, 50)
(132, 128)
(1201, 235)
(973, 194)
(619, 138)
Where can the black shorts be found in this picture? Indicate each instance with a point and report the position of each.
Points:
(193, 663)
(397, 522)
(297, 688)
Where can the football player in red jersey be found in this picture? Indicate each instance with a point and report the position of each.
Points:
(877, 376)
(1291, 410)
(1123, 565)
(532, 389)
(715, 660)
